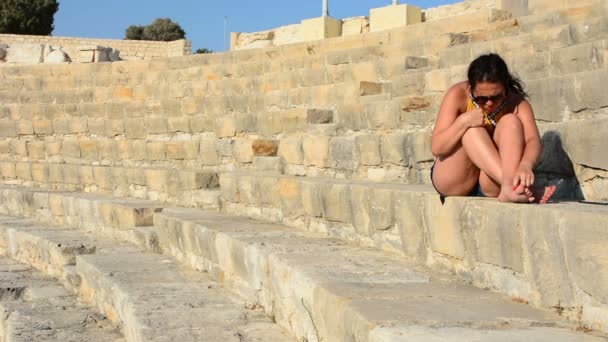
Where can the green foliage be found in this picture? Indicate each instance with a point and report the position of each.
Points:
(161, 29)
(28, 16)
(203, 50)
(134, 32)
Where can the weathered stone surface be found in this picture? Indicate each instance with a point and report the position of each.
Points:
(393, 148)
(368, 149)
(316, 150)
(444, 224)
(369, 88)
(290, 149)
(360, 204)
(381, 209)
(342, 153)
(319, 116)
(583, 142)
(25, 53)
(335, 200)
(265, 148)
(243, 151)
(414, 62)
(407, 208)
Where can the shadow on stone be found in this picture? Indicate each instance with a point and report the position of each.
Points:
(556, 168)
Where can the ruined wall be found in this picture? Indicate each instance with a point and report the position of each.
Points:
(127, 49)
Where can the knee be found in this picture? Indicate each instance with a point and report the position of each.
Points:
(510, 122)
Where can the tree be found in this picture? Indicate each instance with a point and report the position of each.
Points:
(134, 32)
(28, 16)
(161, 29)
(203, 50)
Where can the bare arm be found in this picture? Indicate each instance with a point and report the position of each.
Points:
(450, 125)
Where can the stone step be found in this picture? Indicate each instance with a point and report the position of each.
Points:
(36, 307)
(466, 236)
(325, 289)
(189, 188)
(459, 236)
(151, 296)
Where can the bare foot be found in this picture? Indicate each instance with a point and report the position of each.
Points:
(514, 195)
(542, 194)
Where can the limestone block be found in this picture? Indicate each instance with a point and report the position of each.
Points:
(410, 84)
(134, 128)
(268, 189)
(24, 127)
(178, 124)
(360, 204)
(311, 198)
(419, 147)
(174, 150)
(290, 192)
(445, 224)
(587, 92)
(23, 170)
(265, 147)
(69, 173)
(85, 174)
(137, 150)
(155, 150)
(190, 149)
(414, 62)
(584, 248)
(7, 128)
(53, 148)
(201, 123)
(3, 52)
(25, 53)
(40, 173)
(408, 206)
(335, 201)
(290, 149)
(43, 126)
(320, 116)
(156, 125)
(381, 209)
(270, 122)
(35, 150)
(248, 193)
(115, 127)
(229, 187)
(135, 176)
(316, 150)
(121, 182)
(369, 88)
(56, 204)
(294, 120)
(544, 255)
(498, 234)
(393, 148)
(320, 28)
(437, 80)
(103, 178)
(88, 149)
(157, 179)
(584, 142)
(57, 56)
(354, 26)
(208, 152)
(56, 173)
(7, 169)
(195, 180)
(419, 110)
(5, 146)
(18, 148)
(243, 153)
(368, 149)
(546, 96)
(342, 153)
(394, 16)
(98, 126)
(269, 164)
(225, 126)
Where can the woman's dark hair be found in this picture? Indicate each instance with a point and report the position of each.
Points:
(492, 68)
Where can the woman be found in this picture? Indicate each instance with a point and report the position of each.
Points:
(485, 137)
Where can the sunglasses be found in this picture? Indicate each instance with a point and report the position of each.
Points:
(483, 99)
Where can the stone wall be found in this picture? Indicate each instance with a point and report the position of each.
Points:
(126, 49)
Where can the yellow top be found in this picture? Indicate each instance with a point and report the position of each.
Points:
(487, 122)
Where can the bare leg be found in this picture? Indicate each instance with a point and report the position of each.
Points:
(509, 138)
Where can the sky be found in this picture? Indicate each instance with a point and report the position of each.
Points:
(203, 20)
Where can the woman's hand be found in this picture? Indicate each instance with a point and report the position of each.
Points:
(473, 118)
(523, 176)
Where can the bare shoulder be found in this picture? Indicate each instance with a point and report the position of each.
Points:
(456, 95)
